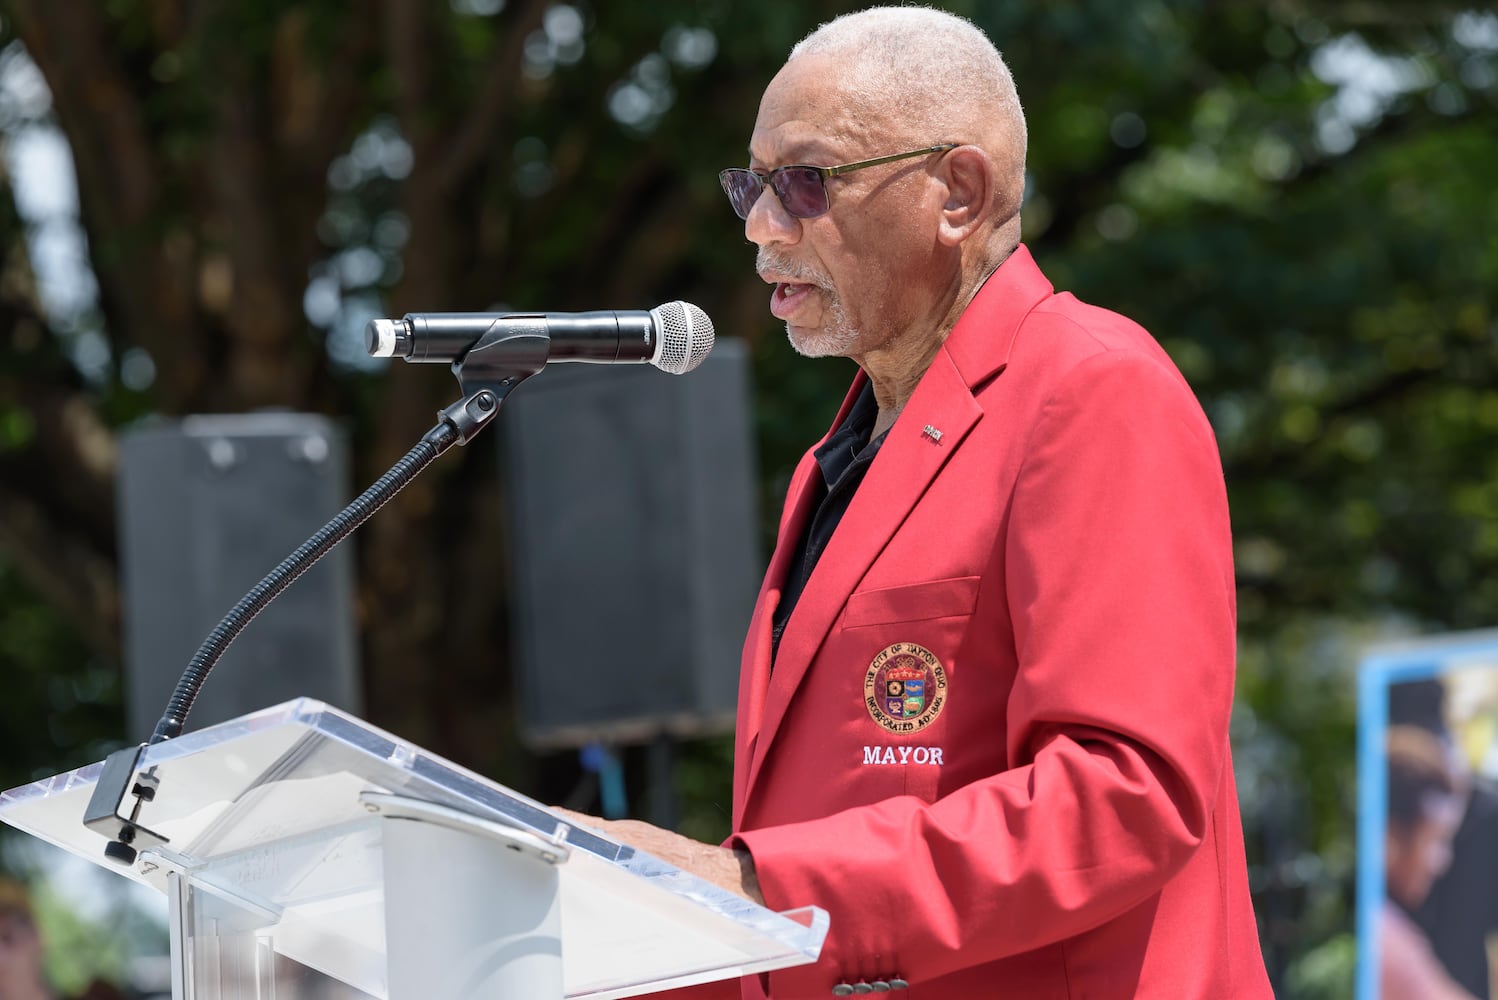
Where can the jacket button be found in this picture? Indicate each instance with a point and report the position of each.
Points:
(880, 986)
(898, 984)
(862, 988)
(842, 990)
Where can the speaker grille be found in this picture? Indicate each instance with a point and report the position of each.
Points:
(632, 524)
(207, 506)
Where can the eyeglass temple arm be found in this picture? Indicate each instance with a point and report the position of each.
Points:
(844, 168)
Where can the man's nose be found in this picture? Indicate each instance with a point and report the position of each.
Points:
(769, 222)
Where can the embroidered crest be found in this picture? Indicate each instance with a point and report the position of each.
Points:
(905, 688)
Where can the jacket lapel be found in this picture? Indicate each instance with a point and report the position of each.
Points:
(754, 667)
(756, 662)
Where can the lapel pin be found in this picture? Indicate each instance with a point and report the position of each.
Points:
(932, 433)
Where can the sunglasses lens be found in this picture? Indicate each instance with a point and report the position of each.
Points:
(742, 187)
(801, 191)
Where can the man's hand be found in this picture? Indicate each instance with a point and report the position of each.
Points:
(725, 868)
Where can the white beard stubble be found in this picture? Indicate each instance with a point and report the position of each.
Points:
(838, 336)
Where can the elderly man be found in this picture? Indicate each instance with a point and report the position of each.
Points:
(983, 711)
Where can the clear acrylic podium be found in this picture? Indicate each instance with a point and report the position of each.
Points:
(310, 855)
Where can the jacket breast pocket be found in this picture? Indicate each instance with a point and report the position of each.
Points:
(911, 602)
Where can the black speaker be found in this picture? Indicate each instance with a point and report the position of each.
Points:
(207, 506)
(632, 517)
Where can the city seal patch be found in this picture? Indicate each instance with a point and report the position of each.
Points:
(905, 688)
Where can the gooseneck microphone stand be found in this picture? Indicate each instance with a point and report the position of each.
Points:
(486, 375)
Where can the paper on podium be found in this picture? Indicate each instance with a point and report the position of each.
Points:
(264, 812)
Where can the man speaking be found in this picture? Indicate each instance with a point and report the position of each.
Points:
(983, 711)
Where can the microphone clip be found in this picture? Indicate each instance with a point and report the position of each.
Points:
(490, 370)
(475, 410)
(117, 782)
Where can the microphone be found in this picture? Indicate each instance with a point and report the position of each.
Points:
(675, 337)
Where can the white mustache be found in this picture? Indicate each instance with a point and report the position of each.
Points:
(776, 262)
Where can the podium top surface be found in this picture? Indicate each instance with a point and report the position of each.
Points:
(265, 809)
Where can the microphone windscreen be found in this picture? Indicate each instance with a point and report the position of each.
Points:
(685, 337)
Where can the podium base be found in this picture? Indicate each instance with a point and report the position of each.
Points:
(448, 934)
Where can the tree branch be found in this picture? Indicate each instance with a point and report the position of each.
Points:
(259, 319)
(488, 119)
(73, 577)
(146, 279)
(1281, 458)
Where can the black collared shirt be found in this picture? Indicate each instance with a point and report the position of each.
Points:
(843, 458)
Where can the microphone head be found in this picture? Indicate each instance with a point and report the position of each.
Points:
(684, 337)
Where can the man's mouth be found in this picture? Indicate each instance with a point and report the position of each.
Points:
(788, 297)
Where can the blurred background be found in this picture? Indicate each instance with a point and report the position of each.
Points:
(202, 204)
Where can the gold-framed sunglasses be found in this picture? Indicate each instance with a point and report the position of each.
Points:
(801, 188)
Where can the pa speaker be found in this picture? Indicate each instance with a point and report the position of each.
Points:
(207, 506)
(631, 497)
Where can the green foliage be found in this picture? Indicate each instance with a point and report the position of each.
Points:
(706, 806)
(79, 950)
(1325, 972)
(92, 924)
(63, 702)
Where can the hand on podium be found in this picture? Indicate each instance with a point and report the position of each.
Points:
(724, 867)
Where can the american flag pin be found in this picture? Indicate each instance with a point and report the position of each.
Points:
(932, 433)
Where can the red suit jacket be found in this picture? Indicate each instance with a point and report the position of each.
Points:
(994, 742)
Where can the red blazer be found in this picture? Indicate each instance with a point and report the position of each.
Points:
(1037, 801)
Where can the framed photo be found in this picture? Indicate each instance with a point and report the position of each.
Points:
(1427, 876)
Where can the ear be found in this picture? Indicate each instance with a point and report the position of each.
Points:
(970, 178)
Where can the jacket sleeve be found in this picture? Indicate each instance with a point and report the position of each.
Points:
(1117, 570)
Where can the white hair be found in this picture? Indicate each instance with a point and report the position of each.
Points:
(947, 80)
